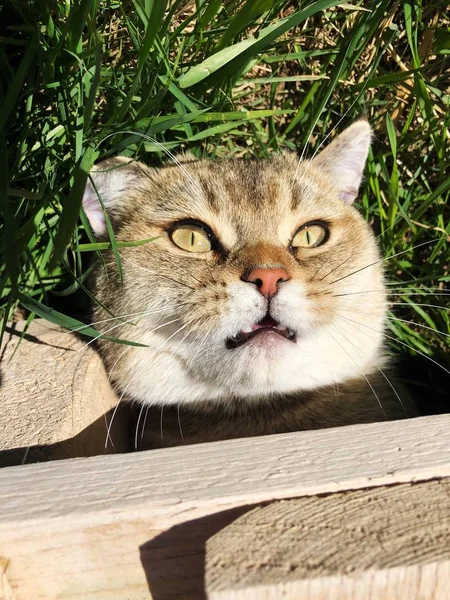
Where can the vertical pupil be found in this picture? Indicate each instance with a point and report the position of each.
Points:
(307, 237)
(192, 238)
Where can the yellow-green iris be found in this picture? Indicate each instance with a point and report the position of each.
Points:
(191, 238)
(309, 236)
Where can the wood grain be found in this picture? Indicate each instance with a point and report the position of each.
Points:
(137, 526)
(55, 396)
(387, 543)
(6, 592)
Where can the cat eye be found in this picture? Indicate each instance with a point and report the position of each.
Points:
(191, 237)
(310, 235)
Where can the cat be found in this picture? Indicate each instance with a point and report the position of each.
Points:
(247, 302)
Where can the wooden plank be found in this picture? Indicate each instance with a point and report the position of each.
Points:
(6, 592)
(55, 397)
(135, 526)
(421, 582)
(385, 543)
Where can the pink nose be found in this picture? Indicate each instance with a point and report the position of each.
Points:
(267, 280)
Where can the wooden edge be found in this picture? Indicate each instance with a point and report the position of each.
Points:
(200, 479)
(430, 581)
(137, 525)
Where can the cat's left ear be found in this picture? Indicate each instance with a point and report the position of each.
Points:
(344, 159)
(112, 181)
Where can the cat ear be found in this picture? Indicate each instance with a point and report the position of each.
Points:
(110, 180)
(344, 159)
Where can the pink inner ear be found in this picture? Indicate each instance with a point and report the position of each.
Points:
(94, 211)
(344, 159)
(348, 195)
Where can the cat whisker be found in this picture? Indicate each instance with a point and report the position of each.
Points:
(361, 372)
(157, 274)
(336, 268)
(392, 318)
(200, 346)
(172, 264)
(161, 422)
(108, 436)
(133, 314)
(419, 304)
(145, 422)
(137, 427)
(317, 272)
(105, 418)
(174, 351)
(383, 259)
(321, 293)
(390, 337)
(381, 372)
(148, 406)
(389, 228)
(354, 310)
(194, 183)
(394, 390)
(416, 282)
(406, 293)
(93, 323)
(203, 340)
(179, 421)
(104, 333)
(358, 96)
(129, 348)
(136, 373)
(108, 430)
(111, 371)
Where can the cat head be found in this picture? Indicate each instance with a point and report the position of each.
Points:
(261, 279)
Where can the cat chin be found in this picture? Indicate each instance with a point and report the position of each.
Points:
(248, 373)
(260, 371)
(265, 366)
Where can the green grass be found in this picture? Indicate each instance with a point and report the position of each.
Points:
(84, 80)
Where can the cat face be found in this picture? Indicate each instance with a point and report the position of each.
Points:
(250, 287)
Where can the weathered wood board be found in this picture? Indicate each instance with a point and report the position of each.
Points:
(55, 397)
(151, 524)
(388, 543)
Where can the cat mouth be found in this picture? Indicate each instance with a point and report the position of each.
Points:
(263, 327)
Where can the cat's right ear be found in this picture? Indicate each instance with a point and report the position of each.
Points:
(344, 159)
(109, 184)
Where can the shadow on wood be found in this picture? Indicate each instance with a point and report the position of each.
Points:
(55, 397)
(174, 561)
(110, 527)
(390, 542)
(89, 442)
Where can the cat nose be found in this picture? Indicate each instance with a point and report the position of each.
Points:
(267, 280)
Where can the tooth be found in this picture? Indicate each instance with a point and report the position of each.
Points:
(279, 326)
(247, 329)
